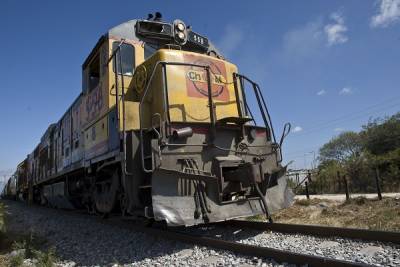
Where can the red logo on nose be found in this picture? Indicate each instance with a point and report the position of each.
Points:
(196, 79)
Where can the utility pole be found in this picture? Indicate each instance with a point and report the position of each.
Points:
(313, 163)
(378, 186)
(305, 161)
(307, 193)
(339, 181)
(346, 186)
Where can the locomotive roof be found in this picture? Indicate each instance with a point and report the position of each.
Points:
(126, 30)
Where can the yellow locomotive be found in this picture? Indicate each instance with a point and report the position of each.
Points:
(162, 129)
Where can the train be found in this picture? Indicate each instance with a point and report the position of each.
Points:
(165, 128)
(9, 190)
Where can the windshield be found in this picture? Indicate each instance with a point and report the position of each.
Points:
(127, 59)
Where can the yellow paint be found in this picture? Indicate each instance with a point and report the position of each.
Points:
(185, 103)
(96, 134)
(131, 97)
(183, 107)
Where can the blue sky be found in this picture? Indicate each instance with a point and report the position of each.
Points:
(324, 66)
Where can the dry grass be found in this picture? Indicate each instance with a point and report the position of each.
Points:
(33, 246)
(2, 224)
(356, 213)
(303, 202)
(4, 240)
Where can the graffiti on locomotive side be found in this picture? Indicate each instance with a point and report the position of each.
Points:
(94, 103)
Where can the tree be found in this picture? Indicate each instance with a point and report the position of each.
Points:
(381, 136)
(327, 176)
(358, 155)
(381, 142)
(341, 148)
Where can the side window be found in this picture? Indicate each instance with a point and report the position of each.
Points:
(127, 59)
(148, 51)
(94, 73)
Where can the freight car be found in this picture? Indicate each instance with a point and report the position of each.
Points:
(10, 188)
(164, 128)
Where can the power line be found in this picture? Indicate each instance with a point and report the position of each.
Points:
(362, 112)
(301, 153)
(298, 152)
(350, 117)
(396, 98)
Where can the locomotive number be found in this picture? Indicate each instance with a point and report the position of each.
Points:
(198, 39)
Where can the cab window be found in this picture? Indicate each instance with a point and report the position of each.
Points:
(149, 50)
(127, 59)
(94, 73)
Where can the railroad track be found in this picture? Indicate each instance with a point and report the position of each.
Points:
(250, 250)
(321, 231)
(182, 235)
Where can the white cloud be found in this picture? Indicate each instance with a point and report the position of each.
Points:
(389, 13)
(303, 42)
(231, 40)
(336, 31)
(297, 129)
(320, 93)
(346, 91)
(308, 41)
(254, 58)
(338, 129)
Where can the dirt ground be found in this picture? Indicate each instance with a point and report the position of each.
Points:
(356, 213)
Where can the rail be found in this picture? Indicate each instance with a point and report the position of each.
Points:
(318, 230)
(250, 250)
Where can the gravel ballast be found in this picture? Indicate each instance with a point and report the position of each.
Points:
(373, 253)
(82, 240)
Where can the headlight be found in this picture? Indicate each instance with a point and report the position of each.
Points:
(180, 32)
(180, 26)
(181, 35)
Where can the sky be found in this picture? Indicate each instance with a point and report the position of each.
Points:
(323, 66)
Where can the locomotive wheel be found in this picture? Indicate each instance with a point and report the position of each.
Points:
(106, 194)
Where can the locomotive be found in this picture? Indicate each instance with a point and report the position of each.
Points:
(164, 128)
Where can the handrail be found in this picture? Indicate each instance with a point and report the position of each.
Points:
(211, 104)
(263, 108)
(165, 89)
(261, 101)
(115, 53)
(266, 111)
